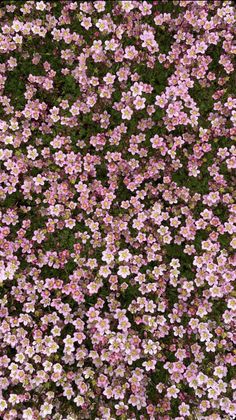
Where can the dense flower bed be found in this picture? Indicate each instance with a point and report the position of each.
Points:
(117, 220)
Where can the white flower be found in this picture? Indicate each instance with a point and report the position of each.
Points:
(46, 409)
(124, 255)
(3, 405)
(172, 391)
(107, 256)
(126, 113)
(79, 401)
(40, 5)
(28, 414)
(124, 271)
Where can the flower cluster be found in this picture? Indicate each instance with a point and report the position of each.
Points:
(117, 219)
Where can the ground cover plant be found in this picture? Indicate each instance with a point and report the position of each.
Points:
(117, 210)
